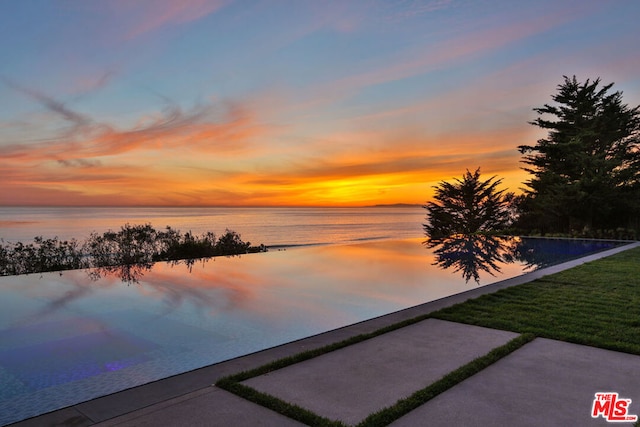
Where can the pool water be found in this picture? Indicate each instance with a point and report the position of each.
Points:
(73, 336)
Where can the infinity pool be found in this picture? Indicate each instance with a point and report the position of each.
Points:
(73, 336)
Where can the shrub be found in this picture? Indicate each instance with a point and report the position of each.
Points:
(131, 245)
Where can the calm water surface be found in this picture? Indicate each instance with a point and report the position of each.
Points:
(70, 337)
(270, 226)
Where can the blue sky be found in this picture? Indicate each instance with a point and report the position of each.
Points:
(158, 102)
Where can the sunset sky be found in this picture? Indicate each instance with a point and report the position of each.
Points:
(292, 103)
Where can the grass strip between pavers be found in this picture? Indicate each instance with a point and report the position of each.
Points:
(278, 405)
(595, 304)
(232, 383)
(385, 416)
(406, 405)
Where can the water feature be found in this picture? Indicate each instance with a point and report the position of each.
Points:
(72, 336)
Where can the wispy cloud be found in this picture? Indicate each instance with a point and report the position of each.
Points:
(404, 9)
(451, 53)
(78, 120)
(151, 15)
(79, 163)
(87, 84)
(333, 102)
(203, 128)
(396, 169)
(87, 161)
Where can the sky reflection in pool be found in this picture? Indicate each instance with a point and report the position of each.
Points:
(67, 338)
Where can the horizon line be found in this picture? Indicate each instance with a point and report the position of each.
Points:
(216, 206)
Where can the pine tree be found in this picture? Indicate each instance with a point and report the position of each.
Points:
(586, 173)
(467, 206)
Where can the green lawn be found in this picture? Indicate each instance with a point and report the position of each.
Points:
(596, 304)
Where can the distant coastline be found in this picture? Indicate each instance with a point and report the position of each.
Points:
(397, 205)
(381, 205)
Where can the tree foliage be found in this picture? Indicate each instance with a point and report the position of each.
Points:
(472, 254)
(586, 172)
(132, 245)
(466, 206)
(40, 255)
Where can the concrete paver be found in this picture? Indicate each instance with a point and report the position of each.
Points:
(544, 383)
(350, 383)
(209, 407)
(63, 417)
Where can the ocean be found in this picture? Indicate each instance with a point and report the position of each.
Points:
(278, 226)
(68, 337)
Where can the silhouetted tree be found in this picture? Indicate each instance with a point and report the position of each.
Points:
(471, 254)
(230, 243)
(39, 256)
(586, 172)
(467, 206)
(174, 245)
(4, 259)
(128, 273)
(133, 245)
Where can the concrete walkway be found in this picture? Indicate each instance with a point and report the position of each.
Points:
(353, 382)
(545, 382)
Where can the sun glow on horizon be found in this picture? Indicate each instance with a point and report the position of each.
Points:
(344, 105)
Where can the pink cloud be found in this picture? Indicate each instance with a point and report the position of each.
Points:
(205, 128)
(430, 57)
(92, 162)
(155, 14)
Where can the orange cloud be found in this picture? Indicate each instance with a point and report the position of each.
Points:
(386, 169)
(225, 155)
(390, 170)
(195, 130)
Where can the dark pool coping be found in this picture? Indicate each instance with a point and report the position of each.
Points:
(140, 397)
